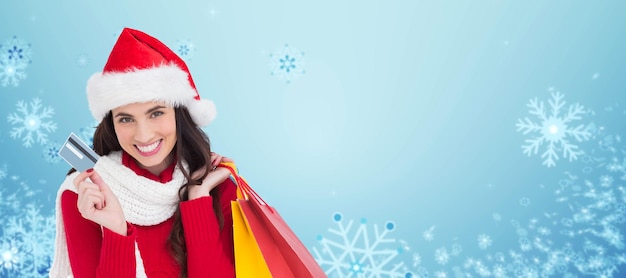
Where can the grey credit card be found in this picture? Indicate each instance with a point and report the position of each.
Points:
(78, 154)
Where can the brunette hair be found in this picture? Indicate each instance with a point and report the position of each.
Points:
(194, 148)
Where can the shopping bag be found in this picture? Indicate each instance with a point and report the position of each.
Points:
(284, 254)
(249, 261)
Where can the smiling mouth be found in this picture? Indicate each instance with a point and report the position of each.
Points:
(149, 149)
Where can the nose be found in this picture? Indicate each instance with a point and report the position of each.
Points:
(143, 133)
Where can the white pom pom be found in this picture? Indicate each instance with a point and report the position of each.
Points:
(202, 111)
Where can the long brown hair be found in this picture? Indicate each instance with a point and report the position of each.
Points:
(194, 148)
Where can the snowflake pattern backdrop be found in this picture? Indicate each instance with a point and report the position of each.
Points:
(481, 139)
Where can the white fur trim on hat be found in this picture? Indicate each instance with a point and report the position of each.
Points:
(165, 83)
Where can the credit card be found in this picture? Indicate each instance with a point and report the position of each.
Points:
(77, 154)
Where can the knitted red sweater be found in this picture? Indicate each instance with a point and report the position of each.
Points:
(99, 252)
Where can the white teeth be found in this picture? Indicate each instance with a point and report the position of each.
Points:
(148, 148)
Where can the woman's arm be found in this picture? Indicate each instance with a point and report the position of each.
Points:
(95, 251)
(209, 249)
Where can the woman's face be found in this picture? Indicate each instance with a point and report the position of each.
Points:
(147, 131)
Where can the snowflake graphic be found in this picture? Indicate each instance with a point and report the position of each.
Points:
(27, 232)
(11, 72)
(185, 49)
(15, 56)
(287, 64)
(429, 234)
(441, 256)
(82, 60)
(33, 124)
(554, 129)
(484, 241)
(356, 254)
(50, 152)
(17, 50)
(9, 256)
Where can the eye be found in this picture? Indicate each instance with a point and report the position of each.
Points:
(125, 120)
(156, 114)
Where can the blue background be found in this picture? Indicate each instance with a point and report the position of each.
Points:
(400, 117)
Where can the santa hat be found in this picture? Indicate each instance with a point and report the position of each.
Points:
(142, 69)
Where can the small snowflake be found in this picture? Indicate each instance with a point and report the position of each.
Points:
(554, 129)
(429, 234)
(441, 256)
(484, 241)
(17, 50)
(82, 60)
(9, 256)
(11, 72)
(185, 49)
(33, 124)
(544, 231)
(50, 152)
(287, 63)
(457, 249)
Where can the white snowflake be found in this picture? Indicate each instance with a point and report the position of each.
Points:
(33, 124)
(554, 129)
(287, 63)
(484, 241)
(15, 56)
(9, 257)
(11, 72)
(441, 256)
(429, 234)
(356, 254)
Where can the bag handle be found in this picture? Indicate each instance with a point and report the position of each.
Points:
(244, 191)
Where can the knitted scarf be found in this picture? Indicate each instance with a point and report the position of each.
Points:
(145, 202)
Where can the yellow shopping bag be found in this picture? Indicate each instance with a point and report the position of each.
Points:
(249, 261)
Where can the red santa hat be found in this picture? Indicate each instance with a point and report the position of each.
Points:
(142, 69)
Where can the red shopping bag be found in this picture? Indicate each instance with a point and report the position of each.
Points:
(284, 253)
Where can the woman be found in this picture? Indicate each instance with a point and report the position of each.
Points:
(155, 204)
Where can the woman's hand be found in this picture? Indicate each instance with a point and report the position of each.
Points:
(96, 202)
(215, 177)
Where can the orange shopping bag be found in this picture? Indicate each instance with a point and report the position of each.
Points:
(282, 252)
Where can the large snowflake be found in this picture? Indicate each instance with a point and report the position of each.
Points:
(27, 232)
(287, 63)
(32, 122)
(554, 130)
(15, 56)
(358, 253)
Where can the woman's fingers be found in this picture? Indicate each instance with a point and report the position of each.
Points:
(216, 159)
(89, 201)
(90, 196)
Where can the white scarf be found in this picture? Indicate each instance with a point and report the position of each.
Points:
(145, 202)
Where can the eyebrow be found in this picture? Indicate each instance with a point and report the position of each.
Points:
(122, 114)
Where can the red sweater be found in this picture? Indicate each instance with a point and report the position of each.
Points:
(98, 252)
